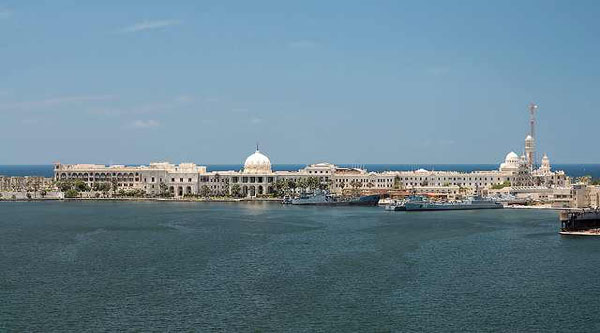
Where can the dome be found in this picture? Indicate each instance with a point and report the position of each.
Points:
(545, 163)
(257, 163)
(529, 138)
(511, 162)
(512, 156)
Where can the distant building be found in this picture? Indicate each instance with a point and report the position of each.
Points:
(257, 177)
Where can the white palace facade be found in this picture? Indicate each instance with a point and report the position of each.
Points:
(257, 178)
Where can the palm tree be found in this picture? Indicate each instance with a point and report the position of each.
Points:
(204, 191)
(235, 190)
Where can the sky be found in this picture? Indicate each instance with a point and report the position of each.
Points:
(131, 82)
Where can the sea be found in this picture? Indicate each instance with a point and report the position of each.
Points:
(573, 170)
(74, 266)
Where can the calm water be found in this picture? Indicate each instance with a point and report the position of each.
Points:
(147, 266)
(573, 170)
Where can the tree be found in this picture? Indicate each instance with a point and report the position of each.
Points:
(81, 186)
(28, 196)
(64, 185)
(204, 191)
(103, 187)
(43, 193)
(397, 182)
(313, 183)
(36, 187)
(326, 184)
(501, 186)
(302, 184)
(235, 190)
(71, 193)
(115, 184)
(292, 184)
(584, 179)
(164, 190)
(282, 187)
(356, 185)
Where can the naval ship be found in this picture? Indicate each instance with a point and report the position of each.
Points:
(580, 222)
(323, 198)
(475, 202)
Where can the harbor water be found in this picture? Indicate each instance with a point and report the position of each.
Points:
(244, 267)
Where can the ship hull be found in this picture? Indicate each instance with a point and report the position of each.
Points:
(579, 221)
(368, 200)
(429, 207)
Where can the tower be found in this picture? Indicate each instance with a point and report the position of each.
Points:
(530, 139)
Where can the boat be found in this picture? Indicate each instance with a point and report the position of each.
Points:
(475, 202)
(385, 201)
(316, 198)
(364, 200)
(325, 199)
(395, 206)
(399, 205)
(509, 199)
(580, 222)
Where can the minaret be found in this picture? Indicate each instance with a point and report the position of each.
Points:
(530, 139)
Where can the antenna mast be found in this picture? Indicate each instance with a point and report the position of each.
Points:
(532, 108)
(530, 141)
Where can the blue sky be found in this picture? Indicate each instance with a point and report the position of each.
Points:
(338, 81)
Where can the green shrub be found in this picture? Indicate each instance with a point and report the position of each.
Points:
(501, 186)
(71, 193)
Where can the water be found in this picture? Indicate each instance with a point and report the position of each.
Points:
(167, 266)
(573, 170)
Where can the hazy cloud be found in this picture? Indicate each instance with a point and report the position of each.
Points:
(145, 123)
(5, 13)
(302, 44)
(148, 25)
(437, 70)
(54, 101)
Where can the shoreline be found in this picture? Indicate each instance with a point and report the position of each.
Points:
(275, 200)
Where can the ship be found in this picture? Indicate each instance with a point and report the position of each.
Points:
(475, 202)
(399, 205)
(396, 205)
(323, 198)
(580, 222)
(316, 198)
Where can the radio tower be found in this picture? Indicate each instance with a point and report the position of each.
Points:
(530, 139)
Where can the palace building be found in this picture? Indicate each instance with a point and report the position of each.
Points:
(257, 178)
